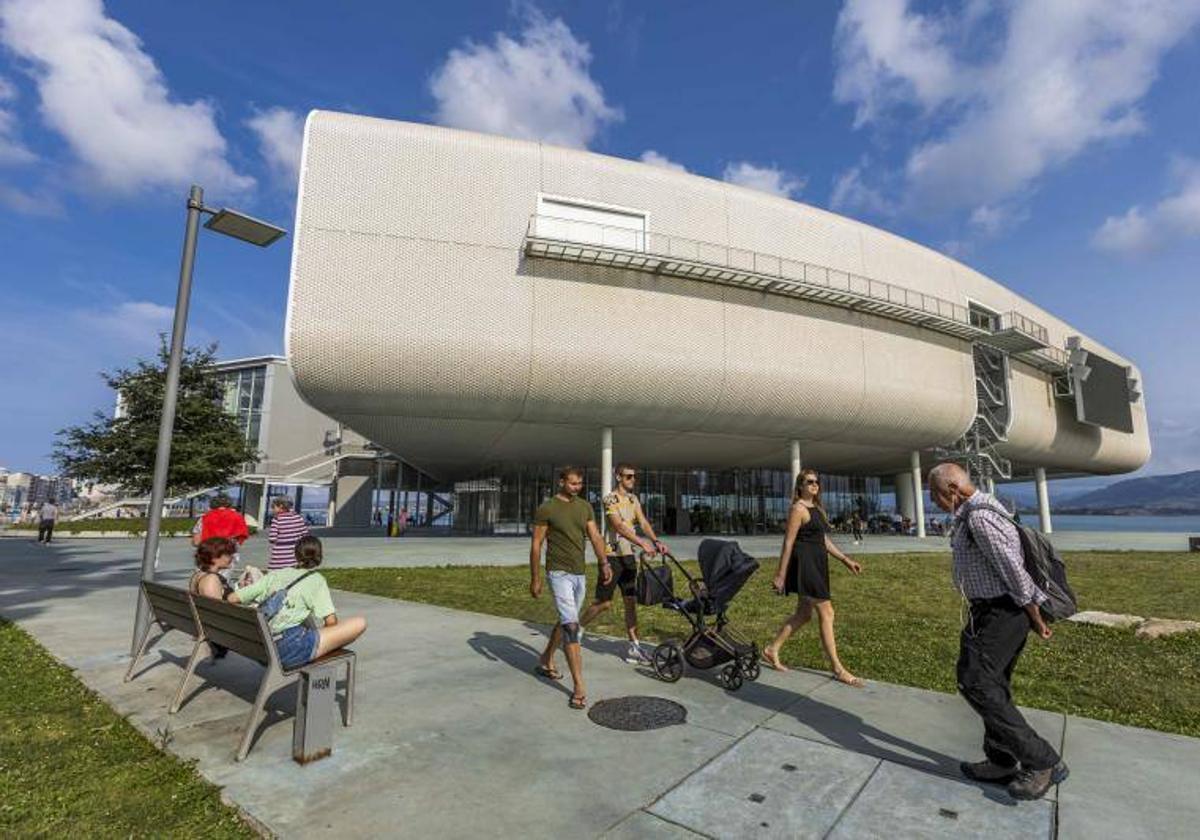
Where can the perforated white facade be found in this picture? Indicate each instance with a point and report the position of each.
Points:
(418, 317)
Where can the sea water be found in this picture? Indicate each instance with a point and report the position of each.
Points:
(1078, 522)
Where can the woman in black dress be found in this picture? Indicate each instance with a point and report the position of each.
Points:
(804, 571)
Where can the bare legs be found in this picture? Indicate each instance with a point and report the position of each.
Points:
(794, 622)
(574, 659)
(598, 607)
(825, 621)
(341, 634)
(804, 611)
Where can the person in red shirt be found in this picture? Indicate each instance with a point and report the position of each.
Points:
(221, 521)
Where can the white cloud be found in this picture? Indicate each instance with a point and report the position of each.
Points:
(536, 86)
(1006, 102)
(12, 151)
(851, 193)
(769, 179)
(655, 159)
(280, 135)
(1175, 217)
(134, 323)
(29, 203)
(887, 55)
(105, 95)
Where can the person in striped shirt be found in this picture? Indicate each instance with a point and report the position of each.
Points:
(287, 527)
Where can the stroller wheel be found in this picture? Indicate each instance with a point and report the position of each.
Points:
(751, 669)
(668, 661)
(731, 676)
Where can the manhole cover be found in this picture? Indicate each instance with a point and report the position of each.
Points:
(634, 714)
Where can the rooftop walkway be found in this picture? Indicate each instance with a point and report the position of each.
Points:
(454, 736)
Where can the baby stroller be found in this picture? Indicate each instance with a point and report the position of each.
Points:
(725, 568)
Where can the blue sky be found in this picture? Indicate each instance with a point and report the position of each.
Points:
(1051, 146)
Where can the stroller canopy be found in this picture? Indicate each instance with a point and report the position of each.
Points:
(725, 568)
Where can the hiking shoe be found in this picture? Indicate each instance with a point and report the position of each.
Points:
(1033, 784)
(986, 771)
(635, 655)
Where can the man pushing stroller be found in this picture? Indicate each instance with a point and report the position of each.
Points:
(622, 517)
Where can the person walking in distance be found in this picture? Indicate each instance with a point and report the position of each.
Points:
(989, 571)
(622, 517)
(564, 524)
(47, 516)
(287, 527)
(804, 572)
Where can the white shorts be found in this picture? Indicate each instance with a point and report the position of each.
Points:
(569, 591)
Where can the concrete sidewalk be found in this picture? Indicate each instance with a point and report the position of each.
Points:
(454, 736)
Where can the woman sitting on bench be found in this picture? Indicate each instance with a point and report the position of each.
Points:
(213, 556)
(296, 642)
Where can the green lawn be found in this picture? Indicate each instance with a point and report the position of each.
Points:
(71, 767)
(899, 622)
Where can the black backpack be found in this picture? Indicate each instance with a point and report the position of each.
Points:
(1047, 569)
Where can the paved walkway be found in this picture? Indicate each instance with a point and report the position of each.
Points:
(455, 737)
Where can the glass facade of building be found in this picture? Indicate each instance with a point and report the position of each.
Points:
(738, 501)
(244, 398)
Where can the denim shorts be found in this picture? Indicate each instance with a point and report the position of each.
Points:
(569, 591)
(297, 646)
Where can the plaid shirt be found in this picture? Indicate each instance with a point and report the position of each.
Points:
(987, 553)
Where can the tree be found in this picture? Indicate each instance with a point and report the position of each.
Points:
(208, 446)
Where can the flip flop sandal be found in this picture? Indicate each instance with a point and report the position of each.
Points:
(548, 673)
(578, 701)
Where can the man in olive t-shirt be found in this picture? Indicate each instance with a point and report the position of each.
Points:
(565, 523)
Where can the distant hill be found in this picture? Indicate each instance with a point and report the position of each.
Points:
(1158, 495)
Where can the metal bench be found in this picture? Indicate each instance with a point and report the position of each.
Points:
(244, 630)
(170, 609)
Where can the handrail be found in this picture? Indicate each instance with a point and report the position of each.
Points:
(785, 271)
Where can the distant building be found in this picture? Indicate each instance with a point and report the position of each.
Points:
(300, 449)
(21, 492)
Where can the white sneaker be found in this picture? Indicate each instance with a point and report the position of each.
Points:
(635, 655)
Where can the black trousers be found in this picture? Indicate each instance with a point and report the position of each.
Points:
(991, 643)
(45, 530)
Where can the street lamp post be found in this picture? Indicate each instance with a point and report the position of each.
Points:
(230, 223)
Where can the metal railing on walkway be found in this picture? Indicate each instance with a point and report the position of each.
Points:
(593, 243)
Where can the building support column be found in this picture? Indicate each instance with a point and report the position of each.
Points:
(904, 494)
(796, 466)
(606, 464)
(1043, 497)
(918, 494)
(262, 506)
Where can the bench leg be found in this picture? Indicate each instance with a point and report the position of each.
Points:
(265, 689)
(201, 647)
(348, 709)
(141, 650)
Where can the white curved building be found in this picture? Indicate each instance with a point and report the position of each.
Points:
(465, 300)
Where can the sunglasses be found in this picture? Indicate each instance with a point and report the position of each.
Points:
(812, 481)
(628, 475)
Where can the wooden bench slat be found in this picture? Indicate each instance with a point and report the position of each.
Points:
(234, 627)
(252, 649)
(171, 593)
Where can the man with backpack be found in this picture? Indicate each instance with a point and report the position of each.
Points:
(990, 571)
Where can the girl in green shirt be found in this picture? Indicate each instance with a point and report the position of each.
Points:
(296, 642)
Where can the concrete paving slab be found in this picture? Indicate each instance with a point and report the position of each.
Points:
(643, 826)
(928, 730)
(768, 785)
(900, 802)
(1128, 783)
